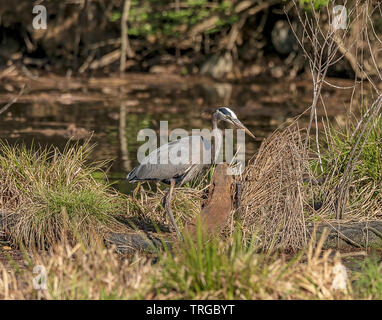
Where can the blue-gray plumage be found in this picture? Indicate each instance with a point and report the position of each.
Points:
(151, 169)
(199, 153)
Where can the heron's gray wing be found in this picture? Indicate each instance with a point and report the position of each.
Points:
(173, 159)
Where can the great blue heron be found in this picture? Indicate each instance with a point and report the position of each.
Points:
(152, 169)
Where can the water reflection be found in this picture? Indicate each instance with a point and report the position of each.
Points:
(114, 113)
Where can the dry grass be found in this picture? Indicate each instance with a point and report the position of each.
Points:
(287, 184)
(352, 166)
(46, 193)
(73, 272)
(198, 270)
(273, 192)
(148, 206)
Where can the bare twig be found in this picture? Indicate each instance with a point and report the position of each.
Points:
(14, 100)
(125, 45)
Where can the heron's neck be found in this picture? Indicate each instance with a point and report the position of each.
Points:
(217, 140)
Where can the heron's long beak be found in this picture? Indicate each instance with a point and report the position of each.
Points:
(237, 123)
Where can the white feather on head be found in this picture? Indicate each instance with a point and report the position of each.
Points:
(228, 111)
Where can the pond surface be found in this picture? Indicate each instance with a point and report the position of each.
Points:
(54, 109)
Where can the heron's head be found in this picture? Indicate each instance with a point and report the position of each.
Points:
(227, 115)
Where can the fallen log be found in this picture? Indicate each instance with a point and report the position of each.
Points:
(130, 243)
(345, 236)
(348, 235)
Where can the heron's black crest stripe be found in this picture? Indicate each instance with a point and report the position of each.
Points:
(225, 111)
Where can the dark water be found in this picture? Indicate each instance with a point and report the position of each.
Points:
(50, 113)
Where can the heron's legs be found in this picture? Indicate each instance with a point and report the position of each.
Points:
(136, 190)
(167, 206)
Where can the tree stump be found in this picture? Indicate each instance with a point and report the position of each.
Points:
(217, 209)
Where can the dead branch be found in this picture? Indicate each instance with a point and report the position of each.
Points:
(125, 45)
(107, 59)
(14, 100)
